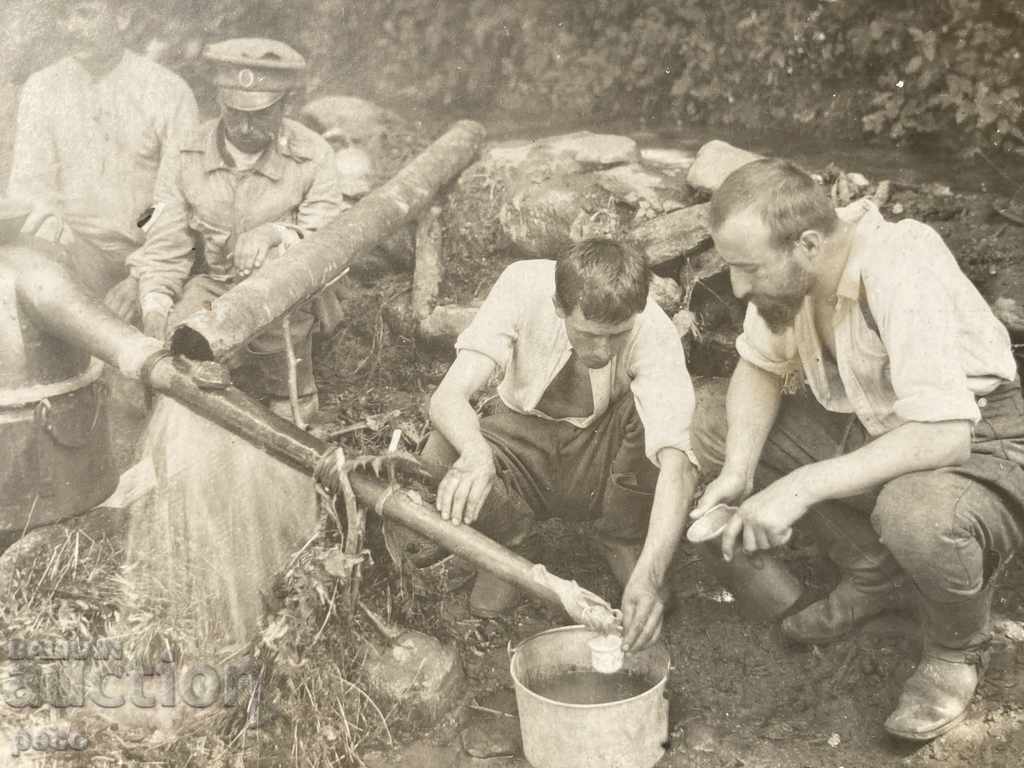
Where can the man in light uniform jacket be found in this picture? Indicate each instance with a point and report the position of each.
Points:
(248, 184)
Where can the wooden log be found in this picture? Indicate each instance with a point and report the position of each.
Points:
(673, 235)
(426, 277)
(255, 303)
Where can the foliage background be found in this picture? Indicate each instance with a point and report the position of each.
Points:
(902, 69)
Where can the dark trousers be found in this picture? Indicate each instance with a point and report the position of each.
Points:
(262, 367)
(551, 468)
(948, 528)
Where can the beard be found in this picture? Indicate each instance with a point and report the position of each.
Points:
(780, 309)
(778, 314)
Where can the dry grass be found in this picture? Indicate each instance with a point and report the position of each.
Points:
(309, 708)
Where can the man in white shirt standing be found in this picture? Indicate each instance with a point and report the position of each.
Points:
(91, 131)
(593, 422)
(903, 454)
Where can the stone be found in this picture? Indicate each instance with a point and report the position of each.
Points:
(698, 267)
(700, 737)
(666, 293)
(670, 160)
(417, 675)
(593, 150)
(673, 235)
(445, 322)
(357, 130)
(540, 218)
(356, 172)
(493, 736)
(506, 153)
(348, 120)
(634, 183)
(716, 160)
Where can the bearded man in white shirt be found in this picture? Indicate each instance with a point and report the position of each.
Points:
(900, 445)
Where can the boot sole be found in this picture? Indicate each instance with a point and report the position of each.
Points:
(928, 735)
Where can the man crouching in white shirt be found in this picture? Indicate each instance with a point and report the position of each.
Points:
(593, 422)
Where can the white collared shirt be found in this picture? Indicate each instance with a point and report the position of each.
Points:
(518, 328)
(91, 146)
(938, 346)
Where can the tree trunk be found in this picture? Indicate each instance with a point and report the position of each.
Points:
(255, 303)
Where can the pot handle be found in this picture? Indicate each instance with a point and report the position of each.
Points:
(513, 651)
(65, 437)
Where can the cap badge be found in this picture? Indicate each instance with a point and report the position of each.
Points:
(246, 78)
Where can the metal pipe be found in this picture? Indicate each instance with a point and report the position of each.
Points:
(49, 296)
(47, 292)
(280, 438)
(256, 302)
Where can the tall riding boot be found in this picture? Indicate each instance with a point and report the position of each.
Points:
(870, 583)
(956, 640)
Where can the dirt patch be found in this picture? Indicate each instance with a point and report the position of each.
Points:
(740, 695)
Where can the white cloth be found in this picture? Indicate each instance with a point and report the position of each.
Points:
(518, 328)
(938, 346)
(91, 147)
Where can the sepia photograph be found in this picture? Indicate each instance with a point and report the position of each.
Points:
(511, 384)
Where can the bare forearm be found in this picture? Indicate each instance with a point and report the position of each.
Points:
(453, 416)
(751, 407)
(673, 495)
(913, 447)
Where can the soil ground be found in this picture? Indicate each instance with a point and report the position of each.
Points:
(739, 695)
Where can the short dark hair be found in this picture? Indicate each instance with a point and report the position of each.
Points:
(606, 279)
(788, 200)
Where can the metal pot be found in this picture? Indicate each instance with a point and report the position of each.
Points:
(55, 455)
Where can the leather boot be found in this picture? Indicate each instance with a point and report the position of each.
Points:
(621, 556)
(871, 582)
(493, 597)
(626, 509)
(936, 696)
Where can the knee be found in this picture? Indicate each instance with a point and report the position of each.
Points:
(920, 519)
(905, 517)
(709, 428)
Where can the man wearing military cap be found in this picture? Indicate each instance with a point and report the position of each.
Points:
(250, 183)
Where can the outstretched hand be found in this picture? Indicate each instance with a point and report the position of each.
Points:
(643, 607)
(766, 519)
(464, 488)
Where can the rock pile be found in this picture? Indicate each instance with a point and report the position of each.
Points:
(530, 199)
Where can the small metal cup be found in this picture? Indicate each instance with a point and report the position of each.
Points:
(763, 587)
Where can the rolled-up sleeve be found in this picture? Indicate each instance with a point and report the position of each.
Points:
(771, 352)
(495, 327)
(920, 331)
(661, 386)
